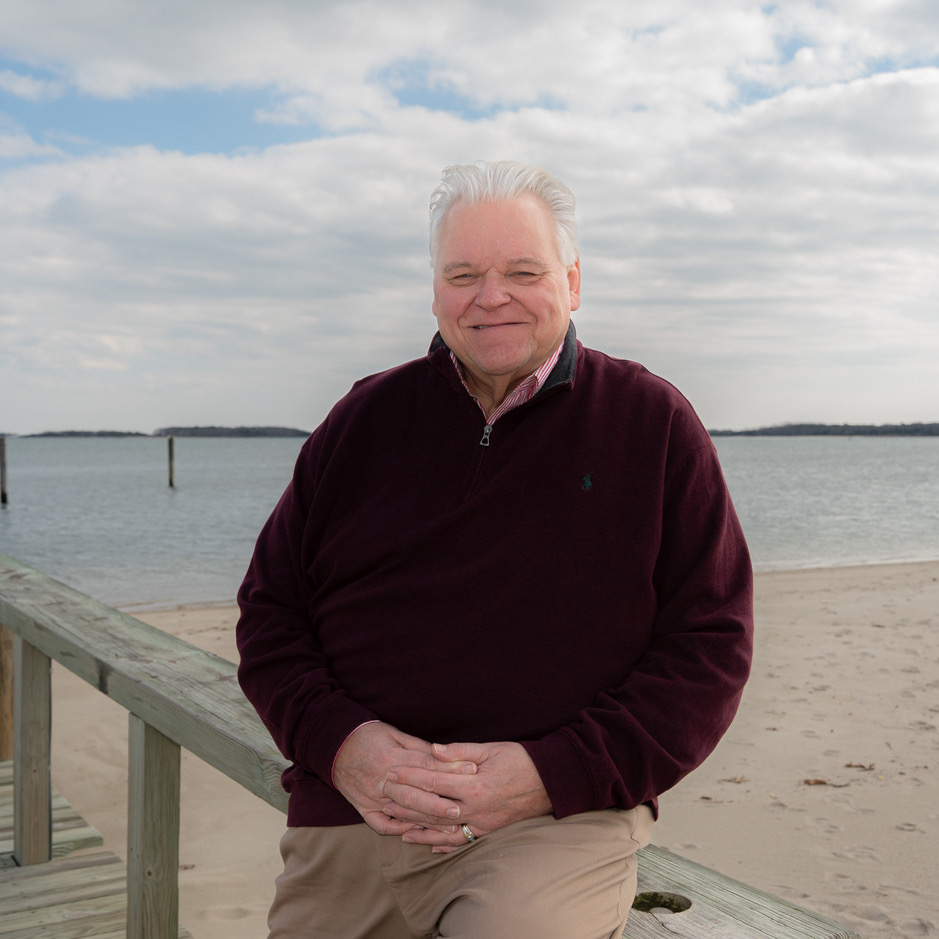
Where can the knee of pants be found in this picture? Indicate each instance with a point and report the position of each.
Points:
(540, 879)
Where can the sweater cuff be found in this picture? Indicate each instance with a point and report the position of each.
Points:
(319, 748)
(563, 774)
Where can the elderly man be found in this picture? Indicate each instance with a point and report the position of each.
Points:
(503, 604)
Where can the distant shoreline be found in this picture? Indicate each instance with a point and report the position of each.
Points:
(778, 430)
(179, 432)
(835, 430)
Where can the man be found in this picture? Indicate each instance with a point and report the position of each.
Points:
(504, 603)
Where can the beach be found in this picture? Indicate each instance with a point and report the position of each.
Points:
(823, 792)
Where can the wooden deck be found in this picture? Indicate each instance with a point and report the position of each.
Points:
(70, 832)
(73, 896)
(80, 896)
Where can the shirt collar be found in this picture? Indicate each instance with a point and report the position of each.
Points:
(525, 391)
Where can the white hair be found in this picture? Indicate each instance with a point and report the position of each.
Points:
(499, 182)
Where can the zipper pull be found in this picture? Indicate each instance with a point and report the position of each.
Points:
(487, 430)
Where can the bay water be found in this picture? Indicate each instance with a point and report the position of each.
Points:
(98, 514)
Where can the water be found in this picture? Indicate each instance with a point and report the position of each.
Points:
(97, 513)
(832, 501)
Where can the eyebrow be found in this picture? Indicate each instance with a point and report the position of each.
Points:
(513, 262)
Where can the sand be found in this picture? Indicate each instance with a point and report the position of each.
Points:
(823, 792)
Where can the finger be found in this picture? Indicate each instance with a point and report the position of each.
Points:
(411, 776)
(422, 808)
(435, 838)
(407, 784)
(455, 767)
(384, 825)
(430, 763)
(460, 752)
(442, 841)
(409, 742)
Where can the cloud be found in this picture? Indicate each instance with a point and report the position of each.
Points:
(756, 187)
(595, 55)
(28, 86)
(19, 146)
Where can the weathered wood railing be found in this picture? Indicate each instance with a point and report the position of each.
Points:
(176, 696)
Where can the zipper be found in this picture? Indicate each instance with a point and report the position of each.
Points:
(480, 457)
(484, 441)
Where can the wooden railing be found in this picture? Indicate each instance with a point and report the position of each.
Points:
(176, 696)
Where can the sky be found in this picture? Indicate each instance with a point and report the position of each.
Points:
(216, 212)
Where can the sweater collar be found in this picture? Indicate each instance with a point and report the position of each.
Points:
(563, 371)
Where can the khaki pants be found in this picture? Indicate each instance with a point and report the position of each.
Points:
(542, 878)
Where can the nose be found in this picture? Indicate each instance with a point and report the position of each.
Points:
(492, 291)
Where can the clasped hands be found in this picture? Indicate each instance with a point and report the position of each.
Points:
(422, 792)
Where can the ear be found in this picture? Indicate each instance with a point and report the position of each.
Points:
(573, 282)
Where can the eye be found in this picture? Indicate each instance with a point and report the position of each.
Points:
(524, 275)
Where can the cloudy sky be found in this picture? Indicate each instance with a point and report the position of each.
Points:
(216, 212)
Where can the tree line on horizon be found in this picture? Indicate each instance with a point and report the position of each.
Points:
(230, 432)
(777, 430)
(835, 430)
(181, 432)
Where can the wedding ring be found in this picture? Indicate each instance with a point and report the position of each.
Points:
(467, 834)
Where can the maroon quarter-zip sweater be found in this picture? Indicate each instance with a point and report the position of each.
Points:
(579, 584)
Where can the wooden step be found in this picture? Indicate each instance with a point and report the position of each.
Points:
(82, 896)
(70, 832)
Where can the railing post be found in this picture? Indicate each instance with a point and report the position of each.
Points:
(32, 783)
(6, 693)
(152, 833)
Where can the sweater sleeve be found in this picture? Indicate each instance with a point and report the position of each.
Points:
(282, 670)
(641, 737)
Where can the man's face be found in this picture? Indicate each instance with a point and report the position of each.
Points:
(502, 296)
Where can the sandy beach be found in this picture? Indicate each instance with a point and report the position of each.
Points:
(823, 792)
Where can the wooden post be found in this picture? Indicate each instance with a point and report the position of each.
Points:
(6, 693)
(170, 454)
(152, 833)
(32, 783)
(3, 470)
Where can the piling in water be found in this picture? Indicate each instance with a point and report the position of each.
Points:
(3, 470)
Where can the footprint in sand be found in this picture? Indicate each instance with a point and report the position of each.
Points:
(859, 852)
